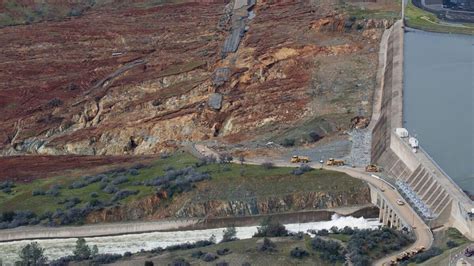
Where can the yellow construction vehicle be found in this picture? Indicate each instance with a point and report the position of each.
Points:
(333, 162)
(372, 168)
(299, 159)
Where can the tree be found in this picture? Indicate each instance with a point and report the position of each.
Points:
(229, 234)
(241, 159)
(271, 228)
(95, 250)
(82, 251)
(32, 255)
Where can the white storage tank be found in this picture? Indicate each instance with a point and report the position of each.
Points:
(401, 132)
(413, 142)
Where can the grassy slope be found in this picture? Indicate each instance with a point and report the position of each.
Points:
(242, 251)
(246, 251)
(421, 19)
(228, 181)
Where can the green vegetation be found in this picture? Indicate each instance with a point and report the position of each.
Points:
(32, 254)
(67, 200)
(17, 13)
(424, 20)
(363, 13)
(362, 246)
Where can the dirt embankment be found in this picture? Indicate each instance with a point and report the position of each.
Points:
(136, 79)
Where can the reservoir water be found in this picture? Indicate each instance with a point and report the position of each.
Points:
(56, 248)
(439, 100)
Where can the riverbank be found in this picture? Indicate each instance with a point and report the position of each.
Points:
(114, 229)
(420, 19)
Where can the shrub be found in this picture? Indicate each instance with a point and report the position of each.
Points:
(77, 184)
(123, 194)
(208, 257)
(268, 165)
(53, 191)
(424, 256)
(38, 192)
(222, 263)
(313, 136)
(266, 246)
(106, 258)
(149, 263)
(93, 179)
(323, 232)
(229, 234)
(94, 195)
(7, 186)
(120, 180)
(222, 252)
(63, 261)
(451, 244)
(127, 254)
(197, 254)
(110, 189)
(133, 172)
(301, 169)
(271, 228)
(298, 253)
(71, 202)
(225, 158)
(329, 250)
(288, 142)
(206, 160)
(55, 102)
(179, 262)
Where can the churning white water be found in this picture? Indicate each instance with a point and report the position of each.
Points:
(56, 248)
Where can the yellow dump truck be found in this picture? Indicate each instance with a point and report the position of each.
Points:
(372, 168)
(334, 162)
(299, 159)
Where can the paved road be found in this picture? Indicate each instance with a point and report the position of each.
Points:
(422, 232)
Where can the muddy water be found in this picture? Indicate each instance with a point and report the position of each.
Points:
(56, 248)
(439, 100)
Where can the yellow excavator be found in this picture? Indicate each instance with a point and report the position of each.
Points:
(334, 162)
(299, 159)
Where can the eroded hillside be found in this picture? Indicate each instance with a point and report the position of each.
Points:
(141, 79)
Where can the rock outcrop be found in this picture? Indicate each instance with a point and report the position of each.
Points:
(158, 206)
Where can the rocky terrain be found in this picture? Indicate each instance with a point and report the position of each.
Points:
(144, 77)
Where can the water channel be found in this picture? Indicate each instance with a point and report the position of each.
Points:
(56, 248)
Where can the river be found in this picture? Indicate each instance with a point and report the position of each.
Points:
(56, 248)
(439, 100)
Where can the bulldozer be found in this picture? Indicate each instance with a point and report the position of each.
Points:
(372, 168)
(333, 162)
(299, 159)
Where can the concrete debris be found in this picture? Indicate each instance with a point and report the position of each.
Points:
(232, 41)
(241, 13)
(215, 101)
(221, 75)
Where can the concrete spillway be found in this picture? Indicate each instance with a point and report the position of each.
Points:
(431, 185)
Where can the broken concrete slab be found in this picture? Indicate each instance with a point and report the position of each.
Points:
(215, 101)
